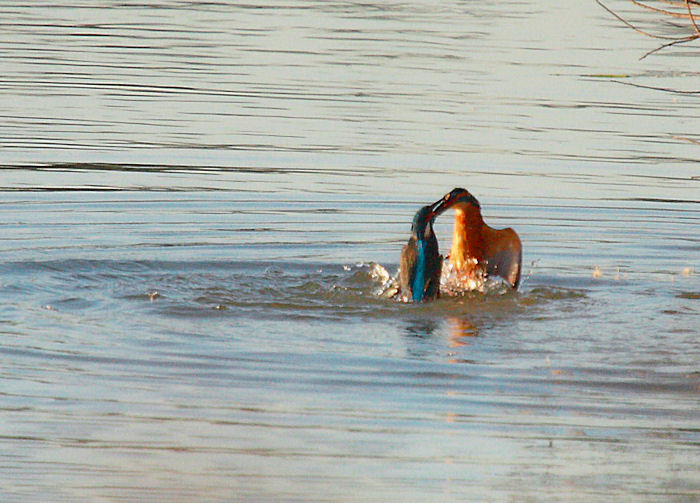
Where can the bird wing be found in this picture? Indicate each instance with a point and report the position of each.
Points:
(407, 269)
(433, 271)
(503, 254)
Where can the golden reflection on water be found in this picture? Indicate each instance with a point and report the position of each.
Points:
(460, 330)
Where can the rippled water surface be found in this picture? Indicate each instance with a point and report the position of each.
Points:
(198, 203)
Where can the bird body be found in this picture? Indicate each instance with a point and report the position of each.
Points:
(420, 269)
(421, 263)
(479, 250)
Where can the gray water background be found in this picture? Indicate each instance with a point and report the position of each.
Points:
(193, 200)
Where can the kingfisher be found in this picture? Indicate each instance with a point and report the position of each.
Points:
(478, 250)
(421, 263)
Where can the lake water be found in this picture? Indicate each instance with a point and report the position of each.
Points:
(198, 201)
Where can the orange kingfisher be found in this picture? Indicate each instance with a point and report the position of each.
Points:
(478, 250)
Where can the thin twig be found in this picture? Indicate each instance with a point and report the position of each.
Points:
(655, 88)
(638, 30)
(685, 138)
(679, 3)
(661, 11)
(692, 18)
(675, 42)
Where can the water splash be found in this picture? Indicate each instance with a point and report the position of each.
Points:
(386, 285)
(455, 283)
(452, 283)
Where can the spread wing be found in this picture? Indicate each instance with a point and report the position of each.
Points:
(503, 253)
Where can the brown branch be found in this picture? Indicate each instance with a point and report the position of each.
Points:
(679, 3)
(630, 25)
(692, 18)
(676, 3)
(661, 11)
(673, 40)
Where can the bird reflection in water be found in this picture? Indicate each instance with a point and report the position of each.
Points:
(420, 332)
(461, 331)
(419, 337)
(421, 328)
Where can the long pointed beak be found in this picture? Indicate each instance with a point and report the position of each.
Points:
(437, 207)
(446, 201)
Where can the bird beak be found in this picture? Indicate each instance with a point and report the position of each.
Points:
(437, 207)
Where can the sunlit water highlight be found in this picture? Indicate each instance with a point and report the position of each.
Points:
(203, 203)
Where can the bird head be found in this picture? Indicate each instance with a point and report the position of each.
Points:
(466, 206)
(422, 226)
(461, 197)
